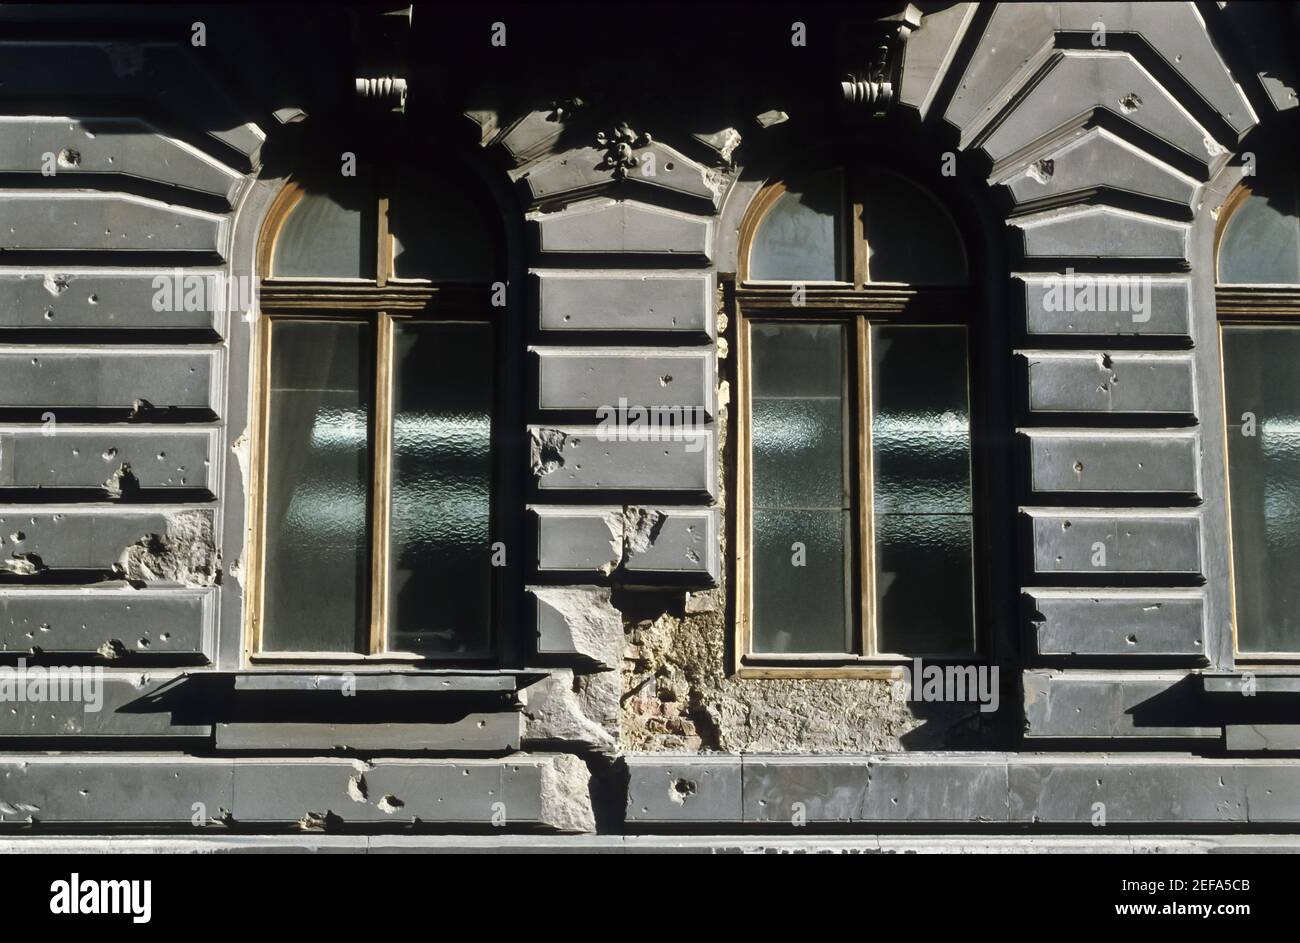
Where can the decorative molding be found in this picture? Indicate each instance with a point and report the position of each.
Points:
(384, 90)
(875, 86)
(619, 145)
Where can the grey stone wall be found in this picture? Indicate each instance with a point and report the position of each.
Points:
(124, 450)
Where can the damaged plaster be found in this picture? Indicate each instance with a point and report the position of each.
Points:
(186, 553)
(566, 795)
(573, 708)
(547, 450)
(632, 530)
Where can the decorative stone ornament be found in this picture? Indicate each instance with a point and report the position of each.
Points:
(565, 108)
(386, 90)
(875, 86)
(619, 147)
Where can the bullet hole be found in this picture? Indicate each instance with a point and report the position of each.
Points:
(17, 537)
(1131, 639)
(69, 157)
(665, 379)
(668, 165)
(319, 821)
(109, 455)
(356, 788)
(1078, 467)
(112, 650)
(143, 643)
(1130, 103)
(1066, 525)
(93, 299)
(1041, 170)
(49, 314)
(682, 790)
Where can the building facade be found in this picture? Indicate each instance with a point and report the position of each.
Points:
(865, 426)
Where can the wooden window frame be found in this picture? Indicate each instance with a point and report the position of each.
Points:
(859, 304)
(383, 301)
(1245, 305)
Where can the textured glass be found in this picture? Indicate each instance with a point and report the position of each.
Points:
(920, 440)
(801, 608)
(1260, 367)
(442, 234)
(801, 530)
(798, 448)
(920, 425)
(924, 584)
(801, 238)
(323, 238)
(1261, 244)
(440, 589)
(318, 487)
(910, 238)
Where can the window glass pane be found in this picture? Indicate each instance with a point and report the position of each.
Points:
(440, 589)
(920, 440)
(801, 238)
(318, 487)
(801, 503)
(1261, 244)
(1260, 366)
(909, 236)
(924, 584)
(920, 426)
(442, 234)
(324, 238)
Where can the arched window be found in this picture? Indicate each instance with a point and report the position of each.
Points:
(1258, 302)
(855, 515)
(376, 349)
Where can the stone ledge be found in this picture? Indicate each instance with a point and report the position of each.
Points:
(966, 788)
(530, 791)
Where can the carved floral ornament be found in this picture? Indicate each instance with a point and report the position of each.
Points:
(620, 145)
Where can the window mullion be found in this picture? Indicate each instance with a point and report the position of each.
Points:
(857, 206)
(384, 245)
(866, 541)
(383, 421)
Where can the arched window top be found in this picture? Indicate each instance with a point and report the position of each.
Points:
(839, 226)
(353, 229)
(321, 238)
(1260, 242)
